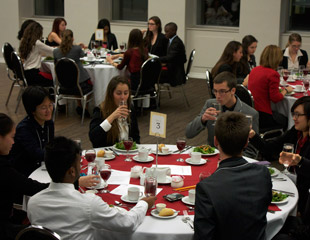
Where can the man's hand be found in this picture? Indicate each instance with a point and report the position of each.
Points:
(209, 114)
(292, 158)
(150, 201)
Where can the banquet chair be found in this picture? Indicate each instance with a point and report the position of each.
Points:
(165, 87)
(18, 70)
(35, 232)
(67, 81)
(245, 95)
(149, 76)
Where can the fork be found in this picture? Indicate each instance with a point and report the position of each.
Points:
(188, 223)
(187, 218)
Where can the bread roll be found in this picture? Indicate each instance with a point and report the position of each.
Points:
(160, 146)
(100, 153)
(166, 212)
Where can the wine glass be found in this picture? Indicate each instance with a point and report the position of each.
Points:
(122, 46)
(123, 103)
(218, 108)
(90, 155)
(181, 143)
(105, 173)
(128, 142)
(289, 148)
(306, 85)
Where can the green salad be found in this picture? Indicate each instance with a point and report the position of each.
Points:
(120, 145)
(271, 171)
(49, 58)
(278, 197)
(204, 149)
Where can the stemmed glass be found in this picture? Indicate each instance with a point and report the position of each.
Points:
(122, 46)
(218, 108)
(105, 173)
(90, 155)
(128, 142)
(289, 148)
(306, 85)
(181, 143)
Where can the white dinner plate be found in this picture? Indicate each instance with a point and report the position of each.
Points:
(301, 91)
(106, 158)
(282, 202)
(137, 159)
(189, 161)
(276, 172)
(155, 213)
(124, 151)
(161, 153)
(167, 181)
(209, 154)
(125, 199)
(186, 201)
(99, 186)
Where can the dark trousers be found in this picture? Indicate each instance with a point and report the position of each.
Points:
(34, 78)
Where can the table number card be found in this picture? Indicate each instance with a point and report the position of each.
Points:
(158, 124)
(99, 34)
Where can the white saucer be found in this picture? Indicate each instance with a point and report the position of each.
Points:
(167, 181)
(149, 159)
(301, 91)
(99, 186)
(189, 160)
(186, 201)
(125, 199)
(155, 213)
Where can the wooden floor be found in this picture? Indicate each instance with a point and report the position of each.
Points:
(178, 115)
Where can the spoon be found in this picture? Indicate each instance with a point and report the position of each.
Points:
(119, 204)
(191, 208)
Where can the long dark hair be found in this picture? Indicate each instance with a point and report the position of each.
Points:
(246, 42)
(56, 24)
(136, 40)
(108, 106)
(66, 42)
(23, 27)
(227, 57)
(6, 124)
(305, 101)
(32, 33)
(149, 34)
(102, 23)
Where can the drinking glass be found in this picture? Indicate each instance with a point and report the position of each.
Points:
(122, 46)
(289, 148)
(150, 186)
(123, 103)
(90, 155)
(218, 108)
(250, 120)
(128, 142)
(181, 143)
(105, 45)
(306, 85)
(105, 173)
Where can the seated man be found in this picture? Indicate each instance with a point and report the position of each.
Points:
(175, 57)
(232, 203)
(224, 89)
(69, 213)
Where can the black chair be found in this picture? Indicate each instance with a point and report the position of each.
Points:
(149, 77)
(20, 79)
(165, 87)
(245, 95)
(35, 232)
(67, 84)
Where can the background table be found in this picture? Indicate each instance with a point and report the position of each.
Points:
(153, 228)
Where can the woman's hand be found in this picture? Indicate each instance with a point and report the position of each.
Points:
(121, 111)
(292, 158)
(109, 59)
(89, 181)
(252, 133)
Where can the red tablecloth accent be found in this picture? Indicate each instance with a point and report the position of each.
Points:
(119, 164)
(298, 95)
(273, 207)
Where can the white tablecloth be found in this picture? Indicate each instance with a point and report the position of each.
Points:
(174, 229)
(100, 75)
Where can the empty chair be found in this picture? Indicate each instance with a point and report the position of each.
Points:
(245, 95)
(67, 84)
(35, 232)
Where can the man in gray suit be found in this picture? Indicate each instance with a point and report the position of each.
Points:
(224, 90)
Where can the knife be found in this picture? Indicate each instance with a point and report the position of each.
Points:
(113, 151)
(185, 149)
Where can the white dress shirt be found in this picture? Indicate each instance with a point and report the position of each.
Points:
(34, 58)
(290, 63)
(78, 216)
(122, 126)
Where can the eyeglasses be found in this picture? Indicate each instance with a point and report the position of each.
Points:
(48, 107)
(221, 92)
(296, 46)
(297, 115)
(152, 24)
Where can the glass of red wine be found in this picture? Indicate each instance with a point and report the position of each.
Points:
(90, 155)
(105, 173)
(306, 85)
(181, 143)
(150, 186)
(128, 142)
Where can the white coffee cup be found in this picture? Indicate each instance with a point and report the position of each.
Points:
(165, 150)
(90, 56)
(143, 154)
(298, 88)
(134, 194)
(195, 157)
(160, 206)
(135, 171)
(108, 154)
(191, 195)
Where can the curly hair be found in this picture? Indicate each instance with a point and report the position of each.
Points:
(66, 42)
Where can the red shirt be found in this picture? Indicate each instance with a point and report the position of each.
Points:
(133, 60)
(264, 85)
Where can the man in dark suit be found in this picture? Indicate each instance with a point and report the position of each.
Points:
(232, 203)
(175, 58)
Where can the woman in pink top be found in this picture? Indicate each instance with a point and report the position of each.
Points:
(264, 82)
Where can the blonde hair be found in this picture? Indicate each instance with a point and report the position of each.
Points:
(292, 38)
(66, 42)
(271, 57)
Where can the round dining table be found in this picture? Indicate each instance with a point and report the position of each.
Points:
(175, 229)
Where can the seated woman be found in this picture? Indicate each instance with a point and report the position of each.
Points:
(34, 132)
(31, 49)
(264, 82)
(229, 61)
(54, 38)
(108, 126)
(23, 27)
(293, 56)
(108, 37)
(299, 136)
(155, 41)
(19, 184)
(134, 57)
(69, 50)
(249, 45)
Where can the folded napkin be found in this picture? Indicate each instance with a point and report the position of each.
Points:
(273, 207)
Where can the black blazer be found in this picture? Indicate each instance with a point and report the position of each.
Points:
(232, 203)
(303, 60)
(98, 136)
(112, 42)
(160, 46)
(175, 60)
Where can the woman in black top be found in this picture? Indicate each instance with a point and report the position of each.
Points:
(108, 37)
(155, 41)
(54, 38)
(249, 45)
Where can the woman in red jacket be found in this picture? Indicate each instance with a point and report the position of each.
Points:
(264, 82)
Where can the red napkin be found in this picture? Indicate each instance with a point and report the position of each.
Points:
(273, 207)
